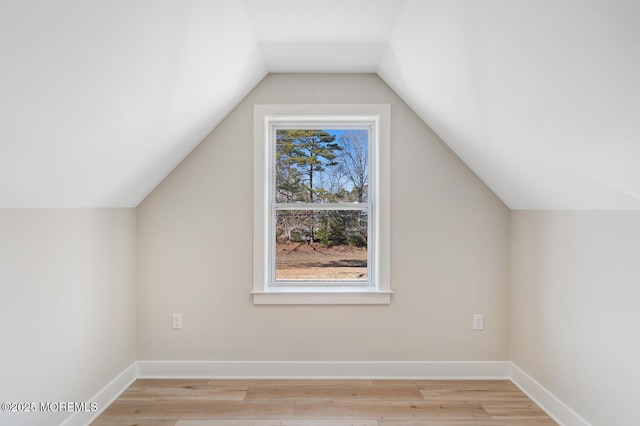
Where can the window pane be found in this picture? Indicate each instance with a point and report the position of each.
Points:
(321, 245)
(321, 166)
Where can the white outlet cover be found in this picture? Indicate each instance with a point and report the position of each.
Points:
(176, 321)
(478, 322)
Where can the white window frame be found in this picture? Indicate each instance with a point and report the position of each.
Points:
(377, 289)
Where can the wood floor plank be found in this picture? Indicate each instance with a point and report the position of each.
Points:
(167, 390)
(333, 391)
(431, 382)
(190, 384)
(286, 382)
(185, 410)
(475, 384)
(388, 410)
(477, 422)
(470, 391)
(277, 423)
(164, 383)
(133, 423)
(514, 410)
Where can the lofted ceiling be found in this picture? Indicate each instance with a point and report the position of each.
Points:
(100, 100)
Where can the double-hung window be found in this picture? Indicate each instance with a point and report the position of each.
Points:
(321, 213)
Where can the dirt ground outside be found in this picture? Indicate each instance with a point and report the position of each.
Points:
(303, 261)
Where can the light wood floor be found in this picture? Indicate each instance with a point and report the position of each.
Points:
(322, 403)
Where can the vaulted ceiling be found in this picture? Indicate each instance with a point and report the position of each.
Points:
(100, 100)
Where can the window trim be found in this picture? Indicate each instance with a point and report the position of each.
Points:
(380, 291)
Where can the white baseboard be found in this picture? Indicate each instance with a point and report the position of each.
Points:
(555, 408)
(104, 397)
(325, 370)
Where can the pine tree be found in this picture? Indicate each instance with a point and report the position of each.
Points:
(304, 153)
(309, 152)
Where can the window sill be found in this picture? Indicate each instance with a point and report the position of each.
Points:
(318, 297)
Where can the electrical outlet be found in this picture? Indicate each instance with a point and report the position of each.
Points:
(177, 321)
(478, 321)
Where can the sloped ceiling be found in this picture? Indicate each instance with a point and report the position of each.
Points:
(540, 98)
(100, 100)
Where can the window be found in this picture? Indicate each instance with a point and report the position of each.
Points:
(321, 204)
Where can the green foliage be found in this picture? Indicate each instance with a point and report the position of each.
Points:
(299, 155)
(338, 227)
(356, 240)
(296, 236)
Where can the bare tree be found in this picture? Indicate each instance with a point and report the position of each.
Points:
(354, 161)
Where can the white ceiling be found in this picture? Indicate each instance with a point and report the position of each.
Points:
(540, 98)
(100, 100)
(325, 35)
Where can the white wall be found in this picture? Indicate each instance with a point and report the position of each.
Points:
(575, 279)
(67, 306)
(449, 251)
